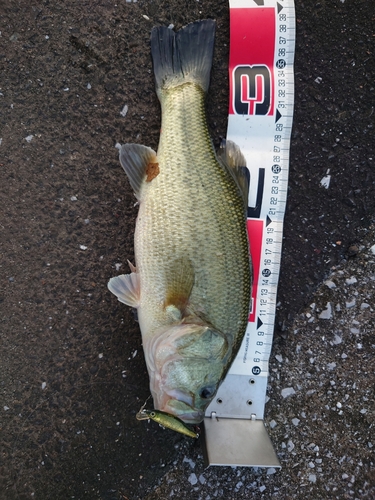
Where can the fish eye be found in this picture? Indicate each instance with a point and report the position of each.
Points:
(207, 392)
(152, 414)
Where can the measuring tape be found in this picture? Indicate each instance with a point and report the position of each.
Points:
(262, 39)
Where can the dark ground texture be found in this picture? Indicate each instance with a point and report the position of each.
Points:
(72, 374)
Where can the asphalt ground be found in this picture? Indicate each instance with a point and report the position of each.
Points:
(72, 373)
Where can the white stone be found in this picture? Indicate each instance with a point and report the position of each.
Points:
(350, 304)
(325, 182)
(327, 313)
(202, 479)
(193, 479)
(337, 340)
(124, 110)
(351, 280)
(288, 391)
(330, 284)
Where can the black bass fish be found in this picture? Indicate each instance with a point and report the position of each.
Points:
(192, 281)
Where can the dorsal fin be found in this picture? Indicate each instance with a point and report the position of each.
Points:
(139, 163)
(231, 157)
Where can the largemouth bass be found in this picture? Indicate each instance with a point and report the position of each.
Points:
(191, 284)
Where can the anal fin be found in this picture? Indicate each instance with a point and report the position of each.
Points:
(126, 288)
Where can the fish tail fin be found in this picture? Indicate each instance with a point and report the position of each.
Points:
(183, 56)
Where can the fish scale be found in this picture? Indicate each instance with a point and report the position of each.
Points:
(168, 226)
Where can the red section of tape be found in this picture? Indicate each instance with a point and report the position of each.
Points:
(255, 233)
(252, 51)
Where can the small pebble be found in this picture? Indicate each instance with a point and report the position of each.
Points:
(325, 182)
(193, 479)
(330, 284)
(351, 280)
(124, 111)
(288, 391)
(327, 313)
(337, 340)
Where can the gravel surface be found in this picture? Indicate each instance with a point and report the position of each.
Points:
(75, 80)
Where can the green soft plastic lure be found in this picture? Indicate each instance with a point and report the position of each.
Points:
(166, 420)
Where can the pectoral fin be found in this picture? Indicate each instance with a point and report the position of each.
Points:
(126, 288)
(140, 164)
(180, 279)
(230, 156)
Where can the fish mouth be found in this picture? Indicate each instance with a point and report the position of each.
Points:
(184, 411)
(180, 404)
